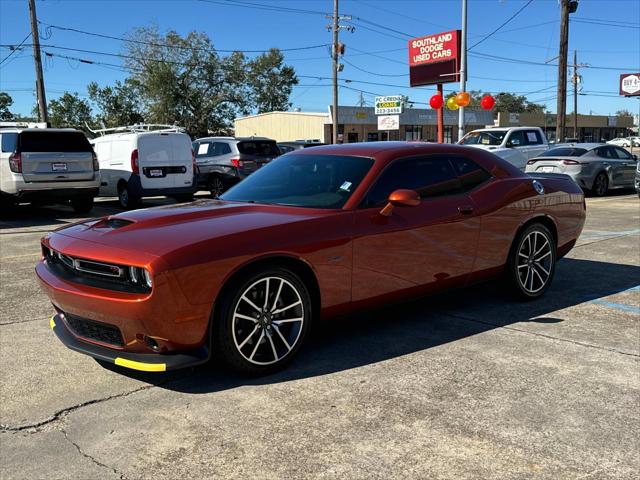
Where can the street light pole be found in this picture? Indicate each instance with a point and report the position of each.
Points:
(463, 67)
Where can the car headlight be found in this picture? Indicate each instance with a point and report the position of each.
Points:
(140, 276)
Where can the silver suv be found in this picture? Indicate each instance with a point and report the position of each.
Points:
(224, 161)
(45, 165)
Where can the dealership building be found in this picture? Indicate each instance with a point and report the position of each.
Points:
(360, 124)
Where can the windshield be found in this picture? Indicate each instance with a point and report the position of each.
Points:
(313, 181)
(564, 152)
(493, 137)
(259, 148)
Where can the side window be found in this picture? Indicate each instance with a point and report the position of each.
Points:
(469, 172)
(430, 177)
(516, 139)
(622, 153)
(9, 142)
(533, 137)
(605, 152)
(202, 149)
(224, 148)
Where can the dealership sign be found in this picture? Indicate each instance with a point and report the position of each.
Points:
(389, 105)
(433, 48)
(630, 84)
(389, 122)
(434, 58)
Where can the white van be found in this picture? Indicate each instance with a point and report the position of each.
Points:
(137, 162)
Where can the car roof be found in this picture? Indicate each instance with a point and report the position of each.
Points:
(20, 129)
(237, 139)
(586, 146)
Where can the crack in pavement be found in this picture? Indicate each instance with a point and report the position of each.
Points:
(86, 455)
(25, 321)
(35, 427)
(605, 239)
(551, 337)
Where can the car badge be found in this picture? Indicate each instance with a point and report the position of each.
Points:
(538, 187)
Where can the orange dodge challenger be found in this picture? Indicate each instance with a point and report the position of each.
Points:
(314, 234)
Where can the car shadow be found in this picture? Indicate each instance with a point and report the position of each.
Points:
(368, 338)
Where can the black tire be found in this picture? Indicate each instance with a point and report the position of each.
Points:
(258, 352)
(523, 286)
(600, 185)
(126, 198)
(82, 204)
(216, 185)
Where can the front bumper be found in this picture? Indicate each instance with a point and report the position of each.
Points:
(146, 362)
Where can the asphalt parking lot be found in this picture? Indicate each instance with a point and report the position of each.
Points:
(469, 385)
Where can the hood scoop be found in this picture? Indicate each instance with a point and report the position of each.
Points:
(113, 223)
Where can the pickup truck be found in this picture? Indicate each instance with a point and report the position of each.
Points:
(514, 144)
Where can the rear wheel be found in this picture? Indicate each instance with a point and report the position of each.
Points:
(82, 204)
(532, 262)
(263, 322)
(600, 185)
(126, 199)
(216, 186)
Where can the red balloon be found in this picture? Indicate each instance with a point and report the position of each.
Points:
(488, 102)
(436, 102)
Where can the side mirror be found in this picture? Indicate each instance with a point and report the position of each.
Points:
(401, 198)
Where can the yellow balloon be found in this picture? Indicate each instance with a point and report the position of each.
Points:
(451, 103)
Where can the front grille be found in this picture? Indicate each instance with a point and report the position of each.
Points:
(100, 332)
(95, 274)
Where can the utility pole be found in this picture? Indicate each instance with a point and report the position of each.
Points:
(42, 99)
(575, 94)
(566, 7)
(463, 67)
(337, 49)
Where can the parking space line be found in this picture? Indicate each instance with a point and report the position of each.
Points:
(617, 306)
(20, 256)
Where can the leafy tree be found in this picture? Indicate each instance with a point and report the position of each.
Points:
(624, 113)
(271, 81)
(118, 105)
(185, 81)
(70, 110)
(5, 102)
(509, 102)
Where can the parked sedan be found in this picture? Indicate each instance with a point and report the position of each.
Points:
(321, 232)
(621, 142)
(595, 167)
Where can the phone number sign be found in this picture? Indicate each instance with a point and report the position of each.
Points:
(389, 105)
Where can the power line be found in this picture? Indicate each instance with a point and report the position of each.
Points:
(165, 45)
(605, 24)
(501, 25)
(15, 49)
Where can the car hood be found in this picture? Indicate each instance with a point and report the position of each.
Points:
(161, 230)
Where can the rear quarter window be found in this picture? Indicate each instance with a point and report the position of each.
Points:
(260, 148)
(54, 142)
(9, 141)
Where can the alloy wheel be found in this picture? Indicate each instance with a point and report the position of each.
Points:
(535, 262)
(267, 320)
(216, 187)
(601, 184)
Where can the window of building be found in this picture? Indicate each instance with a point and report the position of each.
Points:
(413, 132)
(352, 137)
(372, 137)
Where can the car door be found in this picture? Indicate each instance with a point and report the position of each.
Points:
(535, 144)
(421, 248)
(518, 141)
(627, 167)
(611, 162)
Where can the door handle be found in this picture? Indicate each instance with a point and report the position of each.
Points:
(465, 209)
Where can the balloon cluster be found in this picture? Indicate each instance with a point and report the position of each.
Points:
(462, 99)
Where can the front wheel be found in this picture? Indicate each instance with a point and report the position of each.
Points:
(263, 322)
(601, 185)
(532, 262)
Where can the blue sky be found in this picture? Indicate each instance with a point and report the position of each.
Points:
(606, 34)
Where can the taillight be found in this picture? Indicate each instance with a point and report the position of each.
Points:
(15, 163)
(96, 165)
(193, 161)
(236, 162)
(134, 162)
(571, 162)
